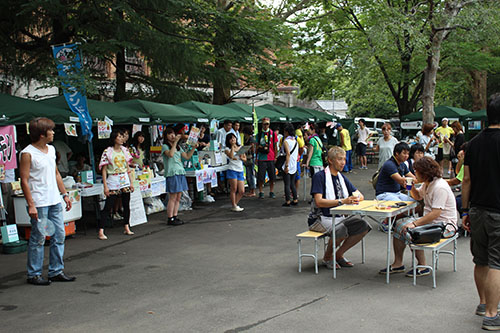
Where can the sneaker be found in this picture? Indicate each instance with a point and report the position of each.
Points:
(261, 195)
(329, 264)
(491, 324)
(272, 195)
(393, 270)
(117, 216)
(481, 309)
(237, 209)
(420, 272)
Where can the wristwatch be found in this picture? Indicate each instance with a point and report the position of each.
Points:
(339, 203)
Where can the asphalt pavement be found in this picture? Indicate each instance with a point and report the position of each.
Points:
(233, 272)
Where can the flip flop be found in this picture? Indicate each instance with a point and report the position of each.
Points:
(343, 262)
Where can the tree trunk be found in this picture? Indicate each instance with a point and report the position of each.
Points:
(438, 35)
(478, 91)
(121, 77)
(222, 76)
(221, 85)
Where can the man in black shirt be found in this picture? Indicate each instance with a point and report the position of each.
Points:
(481, 213)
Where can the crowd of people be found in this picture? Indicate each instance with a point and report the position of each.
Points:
(405, 173)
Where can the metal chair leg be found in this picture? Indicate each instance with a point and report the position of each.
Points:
(316, 255)
(300, 255)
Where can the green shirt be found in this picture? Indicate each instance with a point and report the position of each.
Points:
(460, 175)
(173, 165)
(317, 145)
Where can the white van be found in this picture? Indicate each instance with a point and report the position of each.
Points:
(373, 124)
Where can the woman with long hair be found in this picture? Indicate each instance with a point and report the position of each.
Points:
(174, 172)
(234, 173)
(137, 149)
(116, 180)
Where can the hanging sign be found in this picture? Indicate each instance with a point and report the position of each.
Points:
(69, 67)
(8, 147)
(70, 129)
(103, 130)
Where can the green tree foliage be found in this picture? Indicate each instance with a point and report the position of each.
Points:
(401, 40)
(181, 43)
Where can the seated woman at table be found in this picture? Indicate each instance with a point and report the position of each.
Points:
(234, 172)
(79, 166)
(439, 206)
(332, 189)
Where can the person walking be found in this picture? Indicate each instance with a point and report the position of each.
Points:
(42, 187)
(385, 145)
(117, 181)
(364, 135)
(291, 149)
(174, 172)
(345, 143)
(481, 213)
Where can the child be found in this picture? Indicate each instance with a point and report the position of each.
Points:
(174, 172)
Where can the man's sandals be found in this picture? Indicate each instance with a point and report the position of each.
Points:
(343, 262)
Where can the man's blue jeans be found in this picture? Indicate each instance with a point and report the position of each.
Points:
(348, 161)
(53, 213)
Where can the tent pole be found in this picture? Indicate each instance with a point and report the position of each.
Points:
(92, 158)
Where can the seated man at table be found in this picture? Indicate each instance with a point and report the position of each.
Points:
(332, 189)
(439, 206)
(391, 177)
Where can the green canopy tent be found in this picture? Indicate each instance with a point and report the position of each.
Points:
(293, 115)
(441, 112)
(120, 114)
(319, 115)
(219, 112)
(478, 115)
(274, 116)
(165, 113)
(17, 110)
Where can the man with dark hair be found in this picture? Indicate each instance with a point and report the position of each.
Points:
(345, 143)
(267, 151)
(222, 132)
(391, 177)
(481, 213)
(41, 184)
(364, 135)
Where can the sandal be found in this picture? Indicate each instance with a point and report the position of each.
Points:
(343, 262)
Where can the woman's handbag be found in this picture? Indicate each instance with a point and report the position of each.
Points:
(429, 233)
(280, 161)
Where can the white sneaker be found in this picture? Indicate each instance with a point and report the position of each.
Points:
(237, 209)
(117, 216)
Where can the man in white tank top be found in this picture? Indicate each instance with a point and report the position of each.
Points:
(42, 186)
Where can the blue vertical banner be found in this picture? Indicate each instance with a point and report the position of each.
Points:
(69, 67)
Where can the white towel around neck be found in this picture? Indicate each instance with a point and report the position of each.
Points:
(330, 190)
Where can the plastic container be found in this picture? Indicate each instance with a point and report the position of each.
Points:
(15, 247)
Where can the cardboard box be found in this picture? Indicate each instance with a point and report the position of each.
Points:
(9, 233)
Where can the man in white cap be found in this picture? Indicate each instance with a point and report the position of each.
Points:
(444, 134)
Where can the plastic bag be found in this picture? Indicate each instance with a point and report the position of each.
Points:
(186, 202)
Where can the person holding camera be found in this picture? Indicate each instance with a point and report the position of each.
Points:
(266, 157)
